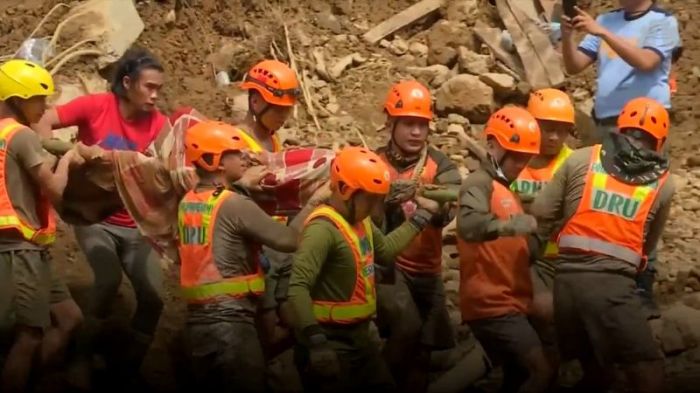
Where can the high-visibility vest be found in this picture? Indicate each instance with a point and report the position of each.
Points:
(10, 220)
(200, 279)
(258, 148)
(424, 253)
(531, 180)
(495, 274)
(611, 216)
(362, 304)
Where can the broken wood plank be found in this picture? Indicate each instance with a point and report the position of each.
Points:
(491, 36)
(528, 6)
(402, 19)
(533, 46)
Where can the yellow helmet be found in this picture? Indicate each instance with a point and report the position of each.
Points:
(24, 79)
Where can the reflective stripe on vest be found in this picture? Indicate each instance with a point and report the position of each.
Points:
(362, 305)
(9, 218)
(611, 216)
(258, 148)
(200, 279)
(530, 181)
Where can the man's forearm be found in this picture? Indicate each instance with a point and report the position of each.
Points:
(59, 180)
(569, 51)
(639, 58)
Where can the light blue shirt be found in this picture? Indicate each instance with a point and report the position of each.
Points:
(619, 82)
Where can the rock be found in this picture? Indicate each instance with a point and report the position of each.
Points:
(462, 10)
(693, 161)
(692, 301)
(435, 75)
(443, 55)
(333, 107)
(418, 49)
(464, 170)
(454, 118)
(465, 95)
(398, 47)
(473, 63)
(444, 35)
(503, 85)
(329, 21)
(457, 130)
(671, 338)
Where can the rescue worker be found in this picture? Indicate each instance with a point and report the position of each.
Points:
(273, 89)
(412, 309)
(126, 118)
(555, 116)
(613, 200)
(221, 233)
(332, 289)
(29, 288)
(495, 250)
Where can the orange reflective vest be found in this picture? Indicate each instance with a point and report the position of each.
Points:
(495, 274)
(362, 304)
(258, 148)
(611, 216)
(200, 279)
(531, 180)
(10, 220)
(424, 253)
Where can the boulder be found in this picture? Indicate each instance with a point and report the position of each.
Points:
(434, 75)
(418, 49)
(502, 84)
(454, 118)
(465, 95)
(473, 63)
(444, 39)
(398, 47)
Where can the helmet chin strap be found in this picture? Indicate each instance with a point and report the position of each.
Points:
(257, 117)
(497, 165)
(15, 109)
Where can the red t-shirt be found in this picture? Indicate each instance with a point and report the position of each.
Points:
(99, 122)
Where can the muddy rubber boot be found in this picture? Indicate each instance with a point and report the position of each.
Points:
(645, 290)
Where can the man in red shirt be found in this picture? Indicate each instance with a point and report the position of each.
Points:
(124, 119)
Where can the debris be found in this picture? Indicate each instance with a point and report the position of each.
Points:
(435, 75)
(398, 47)
(320, 64)
(533, 45)
(502, 84)
(466, 95)
(461, 10)
(342, 64)
(329, 21)
(402, 19)
(443, 40)
(473, 63)
(492, 38)
(418, 49)
(454, 118)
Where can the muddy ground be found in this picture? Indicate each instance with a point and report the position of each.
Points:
(191, 46)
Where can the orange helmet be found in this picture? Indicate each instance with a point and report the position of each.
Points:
(515, 129)
(275, 81)
(360, 170)
(214, 138)
(551, 104)
(409, 98)
(648, 115)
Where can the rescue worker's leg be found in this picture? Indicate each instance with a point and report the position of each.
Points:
(142, 267)
(28, 275)
(402, 321)
(226, 356)
(66, 316)
(361, 365)
(542, 318)
(274, 311)
(616, 323)
(513, 341)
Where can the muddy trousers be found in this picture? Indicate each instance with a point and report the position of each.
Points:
(111, 250)
(226, 357)
(362, 368)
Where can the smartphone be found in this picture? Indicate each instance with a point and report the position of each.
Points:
(569, 8)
